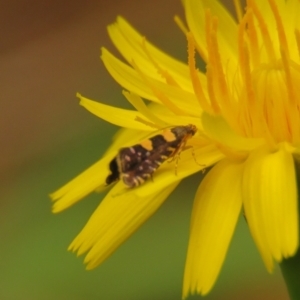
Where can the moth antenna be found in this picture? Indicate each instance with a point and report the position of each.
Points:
(150, 124)
(194, 156)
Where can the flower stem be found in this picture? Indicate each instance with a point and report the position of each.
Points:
(290, 267)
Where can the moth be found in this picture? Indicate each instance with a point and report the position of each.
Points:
(135, 164)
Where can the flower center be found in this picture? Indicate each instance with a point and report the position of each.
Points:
(273, 109)
(256, 89)
(269, 102)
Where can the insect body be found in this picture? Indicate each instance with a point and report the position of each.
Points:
(135, 164)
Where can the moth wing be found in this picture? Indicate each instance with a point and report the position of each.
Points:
(129, 158)
(144, 170)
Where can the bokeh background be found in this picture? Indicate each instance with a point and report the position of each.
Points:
(50, 50)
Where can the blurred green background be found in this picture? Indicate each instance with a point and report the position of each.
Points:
(49, 51)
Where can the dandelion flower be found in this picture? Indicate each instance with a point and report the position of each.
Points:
(246, 109)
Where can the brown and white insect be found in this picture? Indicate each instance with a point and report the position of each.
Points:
(135, 164)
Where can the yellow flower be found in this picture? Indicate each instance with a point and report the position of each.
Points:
(246, 109)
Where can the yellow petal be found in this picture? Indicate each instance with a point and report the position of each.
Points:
(118, 216)
(88, 181)
(133, 46)
(118, 116)
(215, 213)
(159, 114)
(227, 27)
(126, 76)
(131, 119)
(290, 15)
(218, 129)
(140, 106)
(270, 201)
(129, 79)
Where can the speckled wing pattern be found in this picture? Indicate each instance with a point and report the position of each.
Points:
(135, 164)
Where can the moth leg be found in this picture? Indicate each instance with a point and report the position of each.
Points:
(151, 177)
(175, 158)
(176, 162)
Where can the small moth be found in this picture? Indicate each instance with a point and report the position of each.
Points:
(135, 164)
